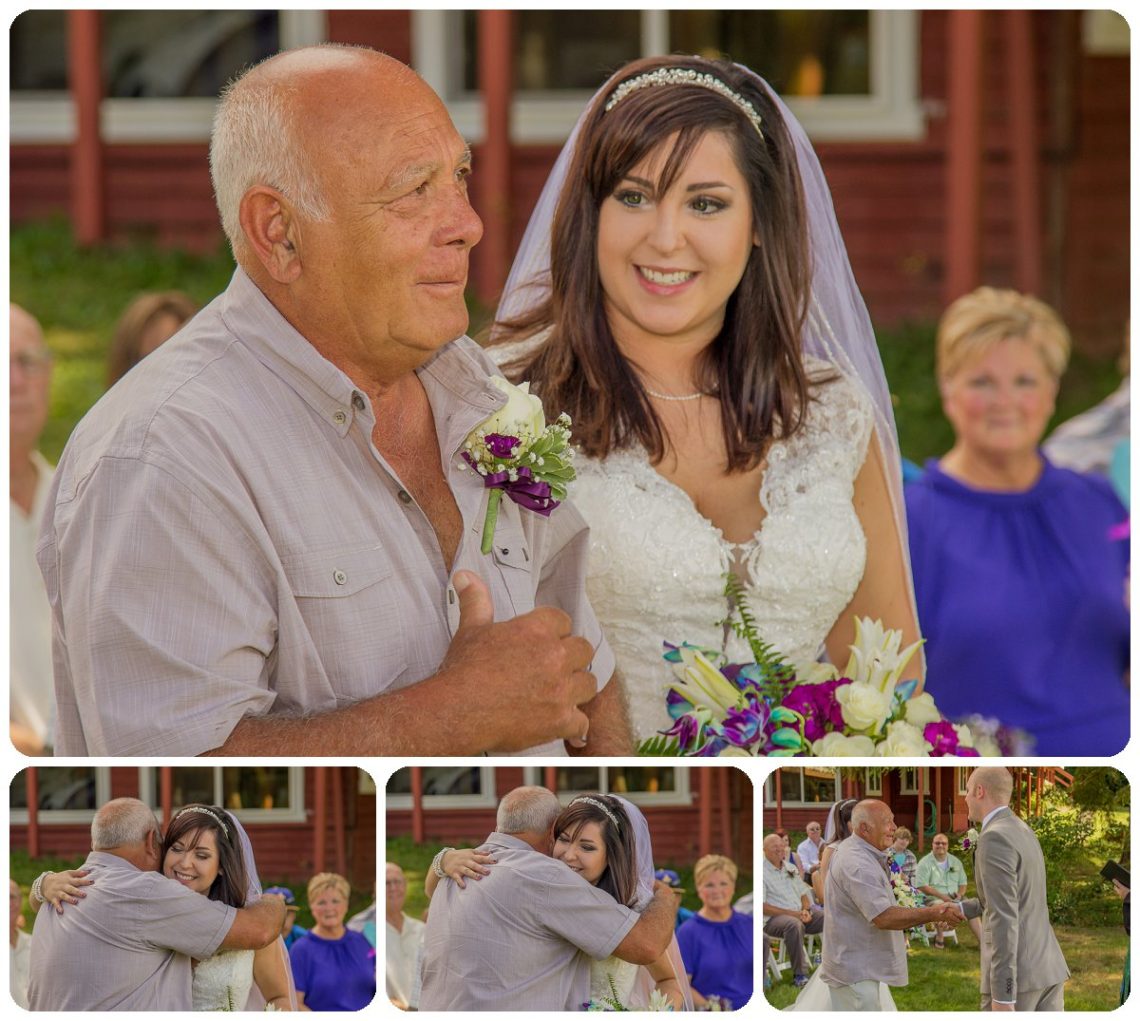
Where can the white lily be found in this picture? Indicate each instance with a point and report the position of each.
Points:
(875, 656)
(703, 684)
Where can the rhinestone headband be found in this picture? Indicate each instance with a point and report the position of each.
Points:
(600, 805)
(205, 811)
(685, 76)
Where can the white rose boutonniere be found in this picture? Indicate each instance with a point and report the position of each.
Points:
(517, 453)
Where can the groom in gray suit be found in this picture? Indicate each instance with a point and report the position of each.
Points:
(1022, 964)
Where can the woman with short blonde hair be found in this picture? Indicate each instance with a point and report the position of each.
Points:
(1019, 566)
(334, 967)
(716, 943)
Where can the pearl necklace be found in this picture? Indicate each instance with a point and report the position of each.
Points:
(677, 397)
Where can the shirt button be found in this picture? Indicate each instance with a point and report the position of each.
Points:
(340, 418)
(358, 402)
(404, 496)
(339, 577)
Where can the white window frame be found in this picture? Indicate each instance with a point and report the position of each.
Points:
(683, 795)
(873, 786)
(893, 111)
(69, 816)
(486, 798)
(149, 792)
(963, 774)
(49, 117)
(770, 788)
(908, 780)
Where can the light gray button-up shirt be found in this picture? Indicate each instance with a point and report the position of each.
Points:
(782, 889)
(223, 539)
(857, 891)
(519, 939)
(127, 945)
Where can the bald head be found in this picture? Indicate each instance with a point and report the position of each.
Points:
(29, 384)
(874, 822)
(774, 849)
(284, 120)
(988, 787)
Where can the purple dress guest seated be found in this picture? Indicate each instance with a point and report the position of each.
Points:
(334, 967)
(1020, 567)
(716, 943)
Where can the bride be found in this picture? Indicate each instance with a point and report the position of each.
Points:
(816, 995)
(683, 293)
(605, 839)
(207, 850)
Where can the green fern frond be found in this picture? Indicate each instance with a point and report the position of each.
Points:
(660, 745)
(778, 678)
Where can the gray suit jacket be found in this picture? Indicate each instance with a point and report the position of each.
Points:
(1019, 950)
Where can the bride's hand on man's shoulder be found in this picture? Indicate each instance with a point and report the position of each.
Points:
(59, 888)
(465, 863)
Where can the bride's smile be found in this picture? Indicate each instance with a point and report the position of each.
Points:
(193, 862)
(583, 852)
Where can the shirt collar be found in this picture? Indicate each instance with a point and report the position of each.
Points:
(991, 814)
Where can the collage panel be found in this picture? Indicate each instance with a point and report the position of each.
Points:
(168, 888)
(570, 887)
(946, 888)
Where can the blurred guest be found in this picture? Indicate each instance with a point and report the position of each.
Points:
(811, 846)
(403, 940)
(787, 907)
(791, 860)
(31, 711)
(149, 321)
(900, 853)
(1125, 894)
(942, 876)
(1019, 567)
(716, 943)
(364, 921)
(290, 930)
(334, 968)
(19, 945)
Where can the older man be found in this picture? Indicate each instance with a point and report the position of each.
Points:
(29, 479)
(1022, 964)
(787, 906)
(128, 945)
(403, 940)
(863, 944)
(522, 937)
(264, 541)
(942, 876)
(811, 846)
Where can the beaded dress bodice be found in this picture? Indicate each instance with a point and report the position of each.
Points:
(222, 982)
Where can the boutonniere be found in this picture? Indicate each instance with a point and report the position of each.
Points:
(518, 454)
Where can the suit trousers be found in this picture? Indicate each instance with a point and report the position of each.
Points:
(1049, 998)
(791, 931)
(860, 996)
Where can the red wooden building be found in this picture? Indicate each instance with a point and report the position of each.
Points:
(691, 810)
(793, 797)
(961, 146)
(300, 819)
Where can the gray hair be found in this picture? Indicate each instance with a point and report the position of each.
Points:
(255, 141)
(527, 810)
(122, 822)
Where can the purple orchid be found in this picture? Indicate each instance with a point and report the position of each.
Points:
(942, 736)
(817, 704)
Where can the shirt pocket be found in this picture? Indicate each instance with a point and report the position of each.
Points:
(512, 554)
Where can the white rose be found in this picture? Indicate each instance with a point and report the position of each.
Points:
(841, 745)
(521, 416)
(987, 747)
(864, 707)
(921, 710)
(903, 740)
(965, 735)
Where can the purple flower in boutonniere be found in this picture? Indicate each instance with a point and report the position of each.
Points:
(517, 453)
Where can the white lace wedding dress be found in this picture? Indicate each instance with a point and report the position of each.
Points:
(624, 976)
(222, 982)
(657, 566)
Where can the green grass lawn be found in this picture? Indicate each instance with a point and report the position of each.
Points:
(948, 979)
(78, 295)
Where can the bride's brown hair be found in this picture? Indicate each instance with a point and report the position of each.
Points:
(619, 879)
(755, 363)
(186, 827)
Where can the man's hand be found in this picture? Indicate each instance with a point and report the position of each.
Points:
(947, 914)
(529, 675)
(805, 915)
(1002, 1006)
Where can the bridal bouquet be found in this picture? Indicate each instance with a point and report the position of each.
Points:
(657, 1000)
(905, 895)
(769, 707)
(518, 454)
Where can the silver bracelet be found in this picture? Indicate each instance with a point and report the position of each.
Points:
(437, 863)
(37, 892)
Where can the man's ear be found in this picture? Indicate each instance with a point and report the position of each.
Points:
(271, 232)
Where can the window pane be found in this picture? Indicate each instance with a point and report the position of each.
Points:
(147, 53)
(61, 787)
(791, 784)
(819, 785)
(561, 49)
(642, 779)
(439, 780)
(579, 778)
(257, 787)
(801, 53)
